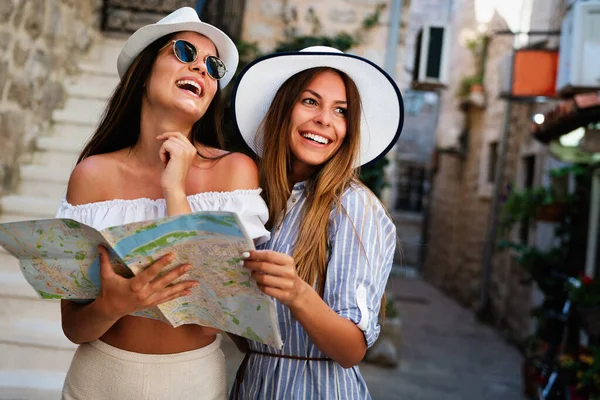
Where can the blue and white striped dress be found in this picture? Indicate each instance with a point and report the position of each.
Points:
(356, 278)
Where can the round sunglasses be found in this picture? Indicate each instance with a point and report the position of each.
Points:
(187, 53)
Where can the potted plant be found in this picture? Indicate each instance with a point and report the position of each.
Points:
(548, 204)
(477, 94)
(530, 373)
(585, 294)
(588, 386)
(470, 92)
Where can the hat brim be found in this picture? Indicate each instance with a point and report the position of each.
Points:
(382, 106)
(144, 36)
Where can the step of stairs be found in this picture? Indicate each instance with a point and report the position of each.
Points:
(59, 360)
(92, 85)
(28, 385)
(60, 144)
(70, 131)
(48, 190)
(29, 207)
(102, 59)
(5, 217)
(32, 322)
(32, 373)
(80, 110)
(41, 173)
(12, 282)
(54, 159)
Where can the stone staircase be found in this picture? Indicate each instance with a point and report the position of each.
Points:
(35, 353)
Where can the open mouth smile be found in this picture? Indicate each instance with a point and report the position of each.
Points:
(312, 137)
(191, 86)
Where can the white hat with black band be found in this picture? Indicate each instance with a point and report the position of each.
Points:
(382, 107)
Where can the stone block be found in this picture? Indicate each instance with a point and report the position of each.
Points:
(20, 92)
(364, 2)
(271, 9)
(83, 11)
(3, 75)
(18, 14)
(55, 21)
(82, 37)
(20, 54)
(5, 40)
(342, 16)
(52, 96)
(12, 130)
(258, 31)
(6, 9)
(34, 17)
(40, 60)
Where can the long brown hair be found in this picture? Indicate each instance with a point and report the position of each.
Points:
(324, 189)
(119, 126)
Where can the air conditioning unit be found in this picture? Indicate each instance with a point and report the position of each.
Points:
(579, 59)
(430, 71)
(570, 3)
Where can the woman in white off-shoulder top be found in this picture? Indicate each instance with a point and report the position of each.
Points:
(156, 153)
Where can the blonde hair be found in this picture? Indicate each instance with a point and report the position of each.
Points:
(323, 190)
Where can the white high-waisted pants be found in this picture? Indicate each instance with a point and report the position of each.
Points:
(103, 372)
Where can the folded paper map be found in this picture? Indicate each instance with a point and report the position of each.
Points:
(59, 258)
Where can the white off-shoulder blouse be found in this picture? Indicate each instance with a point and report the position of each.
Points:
(247, 204)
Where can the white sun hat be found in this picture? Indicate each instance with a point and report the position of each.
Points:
(183, 19)
(382, 106)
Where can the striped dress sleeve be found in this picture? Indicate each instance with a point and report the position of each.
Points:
(362, 244)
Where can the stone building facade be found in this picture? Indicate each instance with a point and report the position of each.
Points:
(40, 43)
(467, 145)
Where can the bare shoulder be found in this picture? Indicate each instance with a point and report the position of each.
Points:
(237, 171)
(90, 178)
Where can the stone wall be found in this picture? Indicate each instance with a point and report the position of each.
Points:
(459, 212)
(268, 21)
(40, 43)
(512, 298)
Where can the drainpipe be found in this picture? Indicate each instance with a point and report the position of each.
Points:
(389, 197)
(490, 237)
(393, 34)
(199, 7)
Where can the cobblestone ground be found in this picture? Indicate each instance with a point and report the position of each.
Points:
(446, 354)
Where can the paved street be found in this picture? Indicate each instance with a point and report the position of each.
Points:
(446, 354)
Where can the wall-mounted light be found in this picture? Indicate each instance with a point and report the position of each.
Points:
(539, 118)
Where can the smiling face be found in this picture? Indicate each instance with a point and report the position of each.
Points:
(318, 122)
(184, 89)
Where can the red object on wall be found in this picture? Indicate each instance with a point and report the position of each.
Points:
(534, 73)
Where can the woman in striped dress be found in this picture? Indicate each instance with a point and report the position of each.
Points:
(313, 117)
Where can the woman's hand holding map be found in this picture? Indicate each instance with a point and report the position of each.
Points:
(120, 296)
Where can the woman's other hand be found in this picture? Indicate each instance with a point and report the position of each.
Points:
(121, 296)
(276, 276)
(177, 153)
